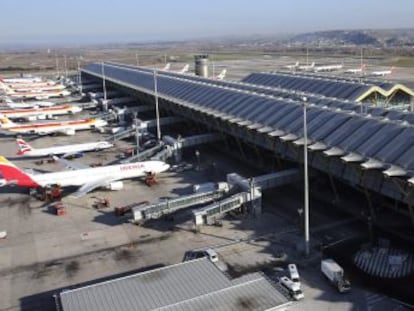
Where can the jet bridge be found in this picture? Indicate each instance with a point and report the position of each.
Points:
(210, 192)
(157, 210)
(251, 193)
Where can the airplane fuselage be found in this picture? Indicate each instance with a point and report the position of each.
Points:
(87, 175)
(67, 149)
(51, 127)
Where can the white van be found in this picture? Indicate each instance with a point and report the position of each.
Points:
(293, 273)
(195, 254)
(211, 254)
(292, 287)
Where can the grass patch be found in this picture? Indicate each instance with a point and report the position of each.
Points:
(400, 62)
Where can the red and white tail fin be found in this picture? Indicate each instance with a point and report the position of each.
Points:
(24, 147)
(10, 174)
(5, 122)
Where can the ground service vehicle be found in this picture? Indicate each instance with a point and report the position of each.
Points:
(292, 287)
(335, 275)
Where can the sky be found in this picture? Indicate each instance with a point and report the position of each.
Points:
(103, 21)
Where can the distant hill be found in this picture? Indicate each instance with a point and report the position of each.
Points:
(382, 38)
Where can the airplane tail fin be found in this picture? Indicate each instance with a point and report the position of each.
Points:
(23, 146)
(167, 67)
(10, 174)
(185, 68)
(5, 122)
(222, 74)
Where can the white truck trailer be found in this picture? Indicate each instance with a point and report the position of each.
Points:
(335, 274)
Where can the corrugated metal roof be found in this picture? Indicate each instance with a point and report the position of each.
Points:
(342, 102)
(185, 286)
(255, 294)
(278, 114)
(334, 87)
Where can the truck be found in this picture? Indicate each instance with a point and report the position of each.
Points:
(292, 287)
(335, 274)
(293, 273)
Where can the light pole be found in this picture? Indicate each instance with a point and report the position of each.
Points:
(105, 107)
(66, 66)
(137, 132)
(137, 59)
(79, 78)
(197, 154)
(57, 65)
(157, 111)
(306, 177)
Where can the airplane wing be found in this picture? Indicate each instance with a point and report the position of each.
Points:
(70, 154)
(70, 164)
(99, 182)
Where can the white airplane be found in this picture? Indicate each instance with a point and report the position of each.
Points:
(85, 177)
(383, 73)
(184, 69)
(38, 95)
(221, 75)
(166, 67)
(21, 80)
(323, 68)
(37, 87)
(45, 128)
(292, 67)
(356, 70)
(40, 113)
(28, 151)
(28, 104)
(307, 67)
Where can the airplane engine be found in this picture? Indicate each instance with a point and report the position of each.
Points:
(70, 132)
(116, 185)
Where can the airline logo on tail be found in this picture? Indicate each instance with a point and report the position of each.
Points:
(12, 175)
(23, 147)
(5, 122)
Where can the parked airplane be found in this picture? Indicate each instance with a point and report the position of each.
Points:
(307, 67)
(37, 87)
(356, 70)
(38, 95)
(221, 75)
(21, 80)
(323, 68)
(86, 178)
(28, 104)
(45, 128)
(166, 67)
(28, 151)
(184, 69)
(383, 73)
(292, 67)
(40, 113)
